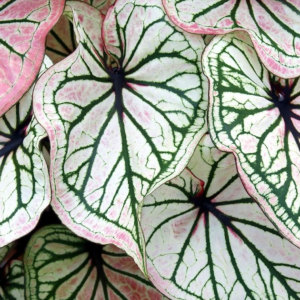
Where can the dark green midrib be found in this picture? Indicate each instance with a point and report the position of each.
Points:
(284, 106)
(209, 256)
(95, 252)
(118, 80)
(17, 134)
(11, 146)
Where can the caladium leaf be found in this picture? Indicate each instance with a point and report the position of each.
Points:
(118, 133)
(3, 252)
(6, 253)
(24, 179)
(101, 5)
(24, 26)
(207, 38)
(273, 26)
(255, 115)
(61, 40)
(12, 281)
(206, 239)
(61, 265)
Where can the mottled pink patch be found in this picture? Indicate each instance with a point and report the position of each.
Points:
(19, 73)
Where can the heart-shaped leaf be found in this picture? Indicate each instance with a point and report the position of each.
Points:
(24, 179)
(61, 265)
(12, 281)
(206, 239)
(119, 132)
(255, 115)
(23, 29)
(273, 26)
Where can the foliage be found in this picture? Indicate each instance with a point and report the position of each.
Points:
(159, 156)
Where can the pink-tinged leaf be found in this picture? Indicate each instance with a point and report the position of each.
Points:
(12, 282)
(273, 26)
(255, 115)
(60, 265)
(23, 29)
(118, 133)
(206, 239)
(24, 179)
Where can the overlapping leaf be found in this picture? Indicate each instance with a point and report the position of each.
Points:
(60, 265)
(12, 281)
(273, 26)
(61, 40)
(24, 179)
(3, 253)
(206, 239)
(255, 115)
(119, 129)
(23, 29)
(101, 5)
(11, 274)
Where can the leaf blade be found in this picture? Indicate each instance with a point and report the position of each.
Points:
(208, 240)
(273, 34)
(23, 33)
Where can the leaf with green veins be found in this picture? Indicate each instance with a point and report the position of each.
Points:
(255, 115)
(207, 239)
(61, 40)
(12, 282)
(118, 133)
(24, 179)
(4, 253)
(273, 26)
(23, 29)
(101, 5)
(61, 265)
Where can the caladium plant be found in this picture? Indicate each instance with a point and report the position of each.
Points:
(124, 107)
